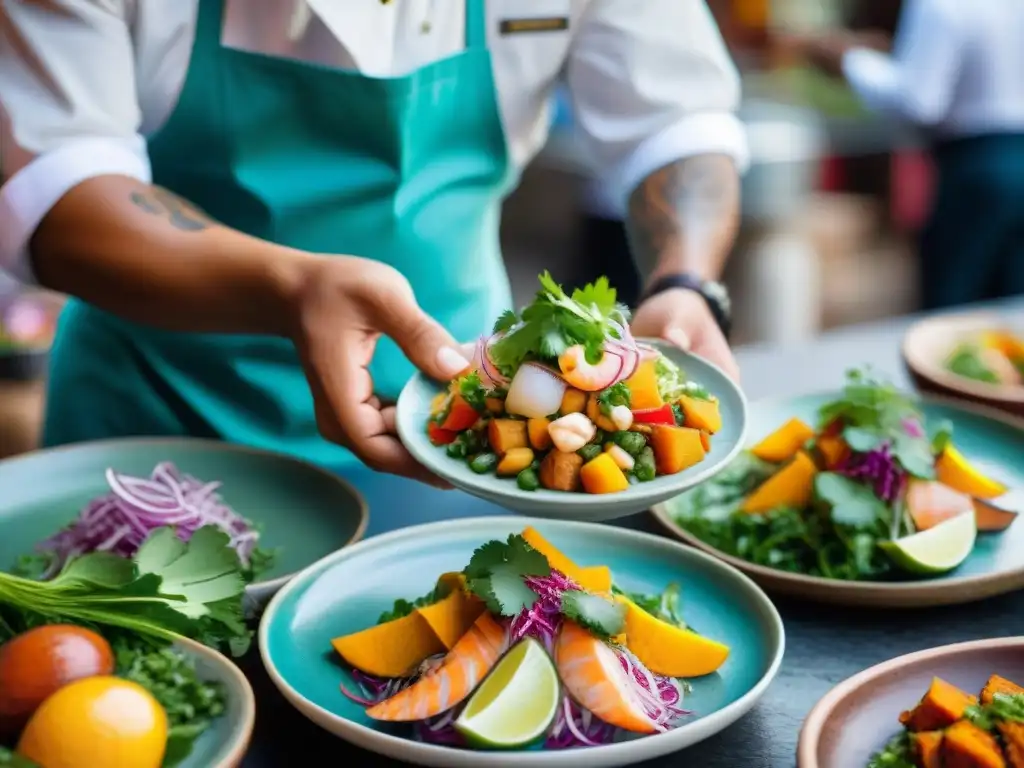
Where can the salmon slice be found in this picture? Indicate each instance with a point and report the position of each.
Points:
(448, 684)
(594, 677)
(930, 503)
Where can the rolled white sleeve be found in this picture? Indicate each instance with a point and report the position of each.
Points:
(68, 111)
(917, 81)
(652, 82)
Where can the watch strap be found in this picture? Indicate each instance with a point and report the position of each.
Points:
(718, 304)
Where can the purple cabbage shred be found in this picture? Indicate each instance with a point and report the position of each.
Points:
(879, 469)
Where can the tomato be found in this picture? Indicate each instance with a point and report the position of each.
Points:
(38, 662)
(461, 415)
(662, 415)
(440, 436)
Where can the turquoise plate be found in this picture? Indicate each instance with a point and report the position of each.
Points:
(346, 592)
(304, 512)
(990, 439)
(414, 412)
(224, 743)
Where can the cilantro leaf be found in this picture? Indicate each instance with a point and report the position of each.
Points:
(862, 440)
(496, 574)
(664, 606)
(472, 391)
(403, 608)
(594, 613)
(943, 436)
(915, 456)
(617, 394)
(853, 503)
(506, 320)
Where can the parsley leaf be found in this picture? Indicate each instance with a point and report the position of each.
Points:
(598, 615)
(853, 504)
(472, 391)
(496, 574)
(617, 394)
(506, 320)
(1004, 707)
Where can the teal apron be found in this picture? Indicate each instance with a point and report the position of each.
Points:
(972, 248)
(410, 171)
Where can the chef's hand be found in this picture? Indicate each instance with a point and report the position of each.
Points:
(342, 308)
(682, 317)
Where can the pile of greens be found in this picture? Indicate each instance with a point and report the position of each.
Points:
(837, 536)
(170, 589)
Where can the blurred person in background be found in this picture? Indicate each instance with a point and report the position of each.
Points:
(270, 211)
(956, 71)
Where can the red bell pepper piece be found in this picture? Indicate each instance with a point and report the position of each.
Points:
(461, 415)
(440, 436)
(662, 415)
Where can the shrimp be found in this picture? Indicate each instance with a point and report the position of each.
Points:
(455, 678)
(582, 375)
(594, 677)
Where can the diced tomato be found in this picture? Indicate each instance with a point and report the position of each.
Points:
(461, 415)
(440, 436)
(834, 428)
(662, 415)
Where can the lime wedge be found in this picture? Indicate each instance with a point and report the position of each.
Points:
(517, 701)
(937, 550)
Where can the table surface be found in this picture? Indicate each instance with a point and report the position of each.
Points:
(824, 645)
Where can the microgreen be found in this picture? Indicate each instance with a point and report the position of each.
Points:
(496, 574)
(598, 615)
(617, 394)
(555, 321)
(472, 390)
(853, 504)
(665, 606)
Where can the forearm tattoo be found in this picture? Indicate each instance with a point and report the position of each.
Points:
(178, 212)
(684, 216)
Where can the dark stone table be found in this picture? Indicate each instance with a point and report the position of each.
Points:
(823, 645)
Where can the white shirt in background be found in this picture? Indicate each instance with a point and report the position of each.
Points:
(957, 68)
(82, 85)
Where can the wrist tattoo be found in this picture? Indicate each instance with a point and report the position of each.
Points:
(180, 214)
(687, 211)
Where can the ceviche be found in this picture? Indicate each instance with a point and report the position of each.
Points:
(525, 647)
(562, 397)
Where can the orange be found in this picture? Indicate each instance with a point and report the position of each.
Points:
(97, 722)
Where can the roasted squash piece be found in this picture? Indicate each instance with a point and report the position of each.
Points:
(967, 746)
(392, 649)
(701, 414)
(676, 448)
(668, 650)
(1013, 743)
(602, 475)
(506, 434)
(643, 387)
(833, 450)
(514, 462)
(560, 471)
(451, 617)
(597, 578)
(784, 443)
(537, 430)
(998, 685)
(953, 469)
(941, 706)
(573, 401)
(595, 415)
(927, 749)
(992, 518)
(791, 486)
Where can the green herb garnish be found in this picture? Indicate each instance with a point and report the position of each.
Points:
(665, 606)
(1004, 708)
(898, 753)
(9, 759)
(598, 615)
(496, 574)
(966, 361)
(403, 608)
(617, 394)
(555, 321)
(472, 391)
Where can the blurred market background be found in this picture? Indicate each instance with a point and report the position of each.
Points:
(832, 205)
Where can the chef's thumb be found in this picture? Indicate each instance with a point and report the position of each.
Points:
(425, 342)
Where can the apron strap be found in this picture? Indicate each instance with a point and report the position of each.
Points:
(476, 24)
(209, 25)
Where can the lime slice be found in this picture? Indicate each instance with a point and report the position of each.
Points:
(516, 703)
(937, 550)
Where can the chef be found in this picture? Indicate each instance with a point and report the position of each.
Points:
(269, 211)
(955, 72)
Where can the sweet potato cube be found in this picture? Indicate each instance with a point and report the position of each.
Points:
(1013, 743)
(701, 414)
(942, 706)
(928, 749)
(997, 685)
(506, 434)
(561, 471)
(967, 746)
(791, 486)
(676, 448)
(782, 444)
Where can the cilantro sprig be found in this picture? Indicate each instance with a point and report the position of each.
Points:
(598, 615)
(496, 574)
(555, 321)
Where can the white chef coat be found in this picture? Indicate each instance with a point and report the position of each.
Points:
(83, 82)
(957, 68)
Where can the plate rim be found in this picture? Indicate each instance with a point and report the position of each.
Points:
(813, 725)
(216, 445)
(238, 745)
(439, 755)
(572, 501)
(927, 368)
(890, 594)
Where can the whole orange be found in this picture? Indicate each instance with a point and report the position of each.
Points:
(97, 722)
(38, 662)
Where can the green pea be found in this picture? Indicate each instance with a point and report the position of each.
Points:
(645, 469)
(589, 452)
(471, 441)
(457, 450)
(527, 480)
(483, 463)
(631, 442)
(600, 437)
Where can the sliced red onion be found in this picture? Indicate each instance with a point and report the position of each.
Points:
(121, 520)
(490, 376)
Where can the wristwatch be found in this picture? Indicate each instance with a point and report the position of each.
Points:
(714, 293)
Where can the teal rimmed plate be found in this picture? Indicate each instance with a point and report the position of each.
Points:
(414, 412)
(992, 440)
(346, 592)
(224, 743)
(303, 512)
